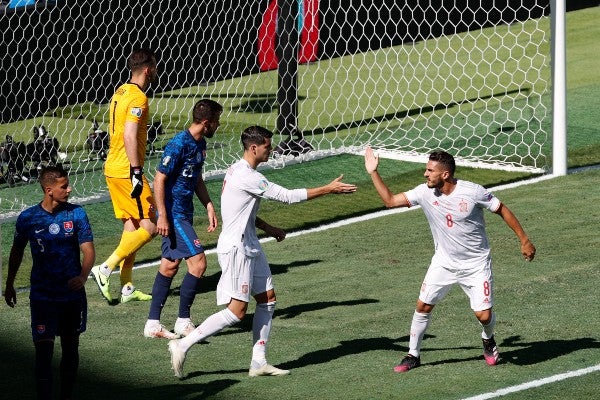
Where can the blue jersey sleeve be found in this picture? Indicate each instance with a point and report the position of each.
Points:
(171, 156)
(84, 229)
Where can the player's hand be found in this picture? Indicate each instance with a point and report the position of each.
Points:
(337, 186)
(10, 296)
(76, 283)
(371, 160)
(162, 225)
(137, 182)
(528, 250)
(278, 234)
(213, 222)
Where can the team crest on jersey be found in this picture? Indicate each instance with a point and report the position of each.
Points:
(263, 184)
(463, 206)
(68, 226)
(245, 288)
(136, 112)
(197, 243)
(54, 228)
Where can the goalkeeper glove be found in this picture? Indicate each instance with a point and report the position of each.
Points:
(137, 183)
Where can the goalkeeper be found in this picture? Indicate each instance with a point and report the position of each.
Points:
(129, 190)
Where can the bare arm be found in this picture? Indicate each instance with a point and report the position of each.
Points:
(131, 144)
(204, 198)
(389, 199)
(277, 233)
(89, 257)
(334, 187)
(162, 224)
(14, 262)
(527, 248)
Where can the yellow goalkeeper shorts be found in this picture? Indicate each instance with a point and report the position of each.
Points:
(143, 207)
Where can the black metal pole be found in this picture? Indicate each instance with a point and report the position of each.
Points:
(287, 49)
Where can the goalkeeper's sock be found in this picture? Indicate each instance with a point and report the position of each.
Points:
(126, 267)
(131, 241)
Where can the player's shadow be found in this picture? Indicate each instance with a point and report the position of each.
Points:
(527, 353)
(150, 392)
(347, 348)
(290, 312)
(530, 353)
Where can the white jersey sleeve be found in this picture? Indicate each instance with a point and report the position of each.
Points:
(456, 221)
(243, 188)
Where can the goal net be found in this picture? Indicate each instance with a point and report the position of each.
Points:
(404, 77)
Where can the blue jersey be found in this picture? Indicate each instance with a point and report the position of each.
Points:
(54, 239)
(182, 163)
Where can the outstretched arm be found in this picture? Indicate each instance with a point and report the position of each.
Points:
(336, 187)
(389, 199)
(527, 248)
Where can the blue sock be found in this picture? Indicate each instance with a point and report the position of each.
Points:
(160, 292)
(187, 294)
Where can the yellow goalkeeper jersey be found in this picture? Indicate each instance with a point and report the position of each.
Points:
(129, 103)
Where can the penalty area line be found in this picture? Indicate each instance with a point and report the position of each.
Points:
(536, 383)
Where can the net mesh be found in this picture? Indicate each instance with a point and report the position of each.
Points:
(404, 77)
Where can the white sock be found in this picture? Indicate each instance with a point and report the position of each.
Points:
(127, 290)
(419, 325)
(261, 329)
(105, 270)
(211, 325)
(488, 330)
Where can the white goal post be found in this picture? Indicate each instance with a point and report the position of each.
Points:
(404, 77)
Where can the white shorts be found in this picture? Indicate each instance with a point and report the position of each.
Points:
(242, 276)
(477, 283)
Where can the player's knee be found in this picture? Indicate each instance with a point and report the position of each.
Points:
(485, 316)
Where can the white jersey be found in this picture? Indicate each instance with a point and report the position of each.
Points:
(243, 188)
(456, 222)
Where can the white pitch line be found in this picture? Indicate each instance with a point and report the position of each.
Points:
(536, 383)
(367, 217)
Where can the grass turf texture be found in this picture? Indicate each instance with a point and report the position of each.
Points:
(345, 299)
(342, 337)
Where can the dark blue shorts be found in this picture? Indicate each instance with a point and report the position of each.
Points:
(56, 318)
(182, 242)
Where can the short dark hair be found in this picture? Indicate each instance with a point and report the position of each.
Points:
(49, 175)
(445, 159)
(141, 58)
(206, 109)
(255, 135)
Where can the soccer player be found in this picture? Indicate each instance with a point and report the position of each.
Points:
(244, 267)
(58, 233)
(454, 210)
(178, 178)
(129, 190)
